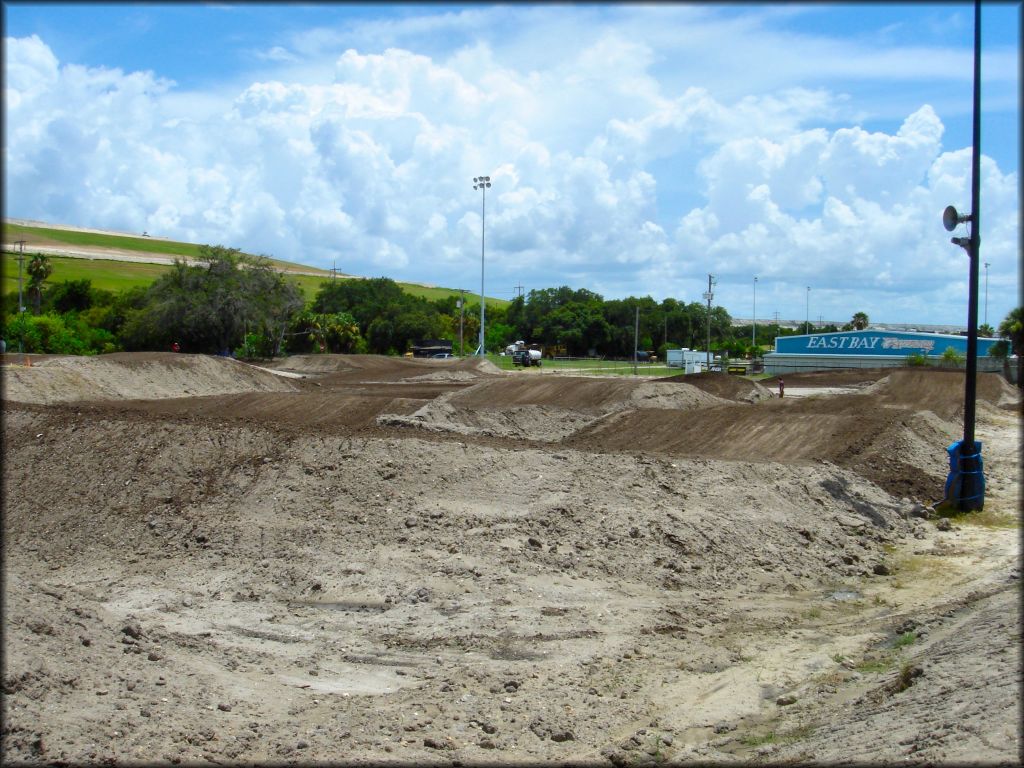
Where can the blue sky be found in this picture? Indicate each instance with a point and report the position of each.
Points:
(632, 148)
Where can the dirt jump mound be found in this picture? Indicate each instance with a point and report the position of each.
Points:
(724, 386)
(546, 408)
(126, 375)
(941, 391)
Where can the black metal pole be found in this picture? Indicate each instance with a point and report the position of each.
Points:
(973, 486)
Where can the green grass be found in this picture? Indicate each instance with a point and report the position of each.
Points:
(990, 518)
(907, 638)
(105, 274)
(869, 666)
(759, 739)
(583, 367)
(13, 232)
(114, 275)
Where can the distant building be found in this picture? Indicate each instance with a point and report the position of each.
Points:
(873, 348)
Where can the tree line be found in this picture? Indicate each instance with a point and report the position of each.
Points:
(232, 303)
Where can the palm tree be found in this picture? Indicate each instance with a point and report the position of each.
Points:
(987, 331)
(39, 268)
(1012, 329)
(860, 321)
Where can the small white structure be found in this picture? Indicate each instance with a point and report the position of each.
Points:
(690, 360)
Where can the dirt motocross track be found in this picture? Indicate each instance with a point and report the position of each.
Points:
(364, 559)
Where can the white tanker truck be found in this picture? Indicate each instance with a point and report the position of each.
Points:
(523, 354)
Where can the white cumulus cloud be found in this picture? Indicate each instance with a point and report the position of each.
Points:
(606, 174)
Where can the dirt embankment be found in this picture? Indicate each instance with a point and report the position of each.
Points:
(130, 375)
(670, 571)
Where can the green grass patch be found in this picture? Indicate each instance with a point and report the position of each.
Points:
(992, 519)
(105, 274)
(902, 641)
(921, 566)
(870, 666)
(759, 739)
(116, 275)
(591, 367)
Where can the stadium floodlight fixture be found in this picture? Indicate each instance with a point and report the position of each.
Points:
(482, 183)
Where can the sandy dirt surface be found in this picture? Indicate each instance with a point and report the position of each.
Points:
(361, 559)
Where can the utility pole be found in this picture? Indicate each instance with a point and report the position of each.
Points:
(21, 303)
(636, 337)
(462, 309)
(753, 331)
(708, 295)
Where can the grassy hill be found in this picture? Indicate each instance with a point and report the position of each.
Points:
(118, 275)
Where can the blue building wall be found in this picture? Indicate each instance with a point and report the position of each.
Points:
(882, 343)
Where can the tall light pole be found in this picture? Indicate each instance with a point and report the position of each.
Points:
(807, 312)
(462, 309)
(482, 183)
(965, 484)
(753, 331)
(708, 296)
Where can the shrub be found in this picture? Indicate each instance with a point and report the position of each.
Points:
(952, 358)
(917, 359)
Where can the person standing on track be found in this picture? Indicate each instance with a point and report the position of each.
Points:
(782, 387)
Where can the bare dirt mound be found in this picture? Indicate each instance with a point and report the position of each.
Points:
(321, 410)
(897, 448)
(123, 376)
(546, 407)
(344, 370)
(942, 392)
(848, 377)
(725, 386)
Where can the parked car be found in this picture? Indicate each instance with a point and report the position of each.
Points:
(443, 356)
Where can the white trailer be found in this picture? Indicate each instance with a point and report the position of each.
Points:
(690, 360)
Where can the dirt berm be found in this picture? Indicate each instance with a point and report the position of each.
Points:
(358, 559)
